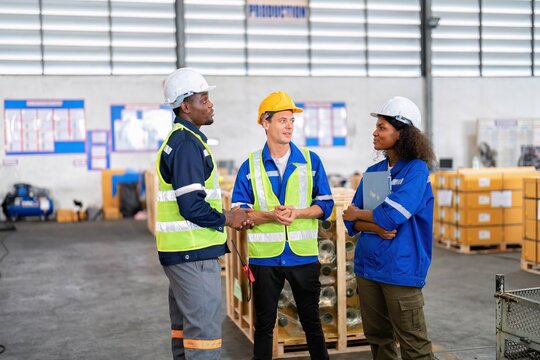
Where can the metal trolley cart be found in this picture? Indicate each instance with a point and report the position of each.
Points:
(518, 322)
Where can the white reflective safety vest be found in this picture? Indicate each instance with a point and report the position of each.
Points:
(268, 240)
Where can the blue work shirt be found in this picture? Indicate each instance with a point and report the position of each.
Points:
(404, 260)
(322, 196)
(186, 165)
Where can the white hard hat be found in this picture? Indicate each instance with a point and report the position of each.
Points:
(182, 83)
(401, 109)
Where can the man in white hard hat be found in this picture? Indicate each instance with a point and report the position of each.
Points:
(190, 223)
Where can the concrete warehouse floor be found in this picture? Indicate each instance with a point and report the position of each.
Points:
(97, 291)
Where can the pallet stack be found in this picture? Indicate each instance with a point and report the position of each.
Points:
(530, 254)
(480, 210)
(339, 306)
(443, 184)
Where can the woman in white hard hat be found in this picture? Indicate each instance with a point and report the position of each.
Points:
(393, 252)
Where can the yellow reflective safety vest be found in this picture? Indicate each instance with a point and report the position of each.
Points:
(173, 232)
(268, 240)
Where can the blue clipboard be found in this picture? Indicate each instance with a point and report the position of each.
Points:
(375, 188)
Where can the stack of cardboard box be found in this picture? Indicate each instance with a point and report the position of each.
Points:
(480, 208)
(530, 254)
(444, 190)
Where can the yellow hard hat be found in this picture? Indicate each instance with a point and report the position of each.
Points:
(277, 101)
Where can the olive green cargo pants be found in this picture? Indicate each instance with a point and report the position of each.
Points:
(390, 313)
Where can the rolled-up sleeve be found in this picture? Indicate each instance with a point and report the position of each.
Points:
(242, 193)
(400, 205)
(358, 201)
(322, 195)
(186, 162)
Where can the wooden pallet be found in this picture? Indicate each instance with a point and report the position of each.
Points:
(477, 249)
(296, 347)
(531, 267)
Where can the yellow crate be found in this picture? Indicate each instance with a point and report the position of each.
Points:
(531, 229)
(531, 187)
(65, 215)
(479, 217)
(479, 181)
(479, 235)
(513, 234)
(531, 209)
(489, 199)
(514, 180)
(436, 230)
(446, 180)
(513, 216)
(530, 251)
(473, 200)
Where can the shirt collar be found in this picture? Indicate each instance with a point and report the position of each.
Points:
(191, 127)
(296, 156)
(397, 166)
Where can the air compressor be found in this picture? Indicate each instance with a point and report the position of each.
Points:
(26, 200)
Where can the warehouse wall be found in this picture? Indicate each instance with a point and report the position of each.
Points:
(67, 175)
(457, 104)
(236, 101)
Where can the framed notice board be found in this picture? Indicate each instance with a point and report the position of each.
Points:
(321, 124)
(140, 127)
(99, 157)
(44, 126)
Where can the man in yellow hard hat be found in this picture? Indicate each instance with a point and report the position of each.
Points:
(288, 190)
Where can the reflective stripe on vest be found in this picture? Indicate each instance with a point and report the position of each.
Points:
(173, 232)
(268, 240)
(170, 195)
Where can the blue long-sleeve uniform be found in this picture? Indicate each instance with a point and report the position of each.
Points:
(322, 196)
(408, 209)
(187, 166)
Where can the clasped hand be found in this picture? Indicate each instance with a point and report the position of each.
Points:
(285, 215)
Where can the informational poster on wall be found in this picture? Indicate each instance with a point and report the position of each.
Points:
(140, 127)
(277, 10)
(507, 139)
(44, 126)
(321, 124)
(98, 150)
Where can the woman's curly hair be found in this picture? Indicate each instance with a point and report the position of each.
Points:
(412, 143)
